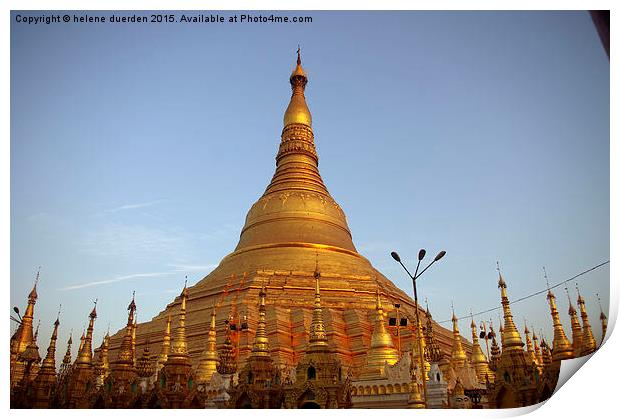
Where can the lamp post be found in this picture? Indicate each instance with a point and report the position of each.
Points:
(414, 278)
(397, 305)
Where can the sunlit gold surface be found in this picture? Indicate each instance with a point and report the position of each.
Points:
(531, 354)
(297, 111)
(46, 378)
(85, 355)
(478, 360)
(458, 354)
(210, 358)
(588, 342)
(511, 339)
(22, 338)
(562, 348)
(293, 225)
(382, 350)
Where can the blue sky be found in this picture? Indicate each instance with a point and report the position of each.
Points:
(136, 151)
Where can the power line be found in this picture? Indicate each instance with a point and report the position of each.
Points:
(535, 293)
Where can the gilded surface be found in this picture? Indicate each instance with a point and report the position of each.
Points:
(292, 226)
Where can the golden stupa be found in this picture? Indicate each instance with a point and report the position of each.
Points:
(294, 229)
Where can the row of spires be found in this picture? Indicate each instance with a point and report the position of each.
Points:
(381, 349)
(561, 348)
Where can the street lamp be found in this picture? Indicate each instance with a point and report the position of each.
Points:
(414, 278)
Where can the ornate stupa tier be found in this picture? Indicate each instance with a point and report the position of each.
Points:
(292, 227)
(296, 207)
(511, 339)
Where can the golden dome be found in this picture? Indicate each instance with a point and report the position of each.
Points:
(296, 207)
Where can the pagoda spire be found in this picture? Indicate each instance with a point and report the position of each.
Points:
(125, 354)
(575, 327)
(49, 363)
(511, 339)
(588, 341)
(210, 359)
(433, 351)
(546, 354)
(179, 344)
(562, 348)
(537, 352)
(495, 350)
(36, 332)
(228, 364)
(603, 318)
(478, 360)
(134, 325)
(382, 348)
(297, 111)
(458, 354)
(66, 361)
(85, 355)
(531, 355)
(82, 340)
(45, 380)
(260, 347)
(24, 334)
(165, 349)
(102, 366)
(318, 336)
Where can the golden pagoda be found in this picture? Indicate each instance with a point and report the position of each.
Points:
(458, 357)
(292, 225)
(511, 339)
(588, 341)
(81, 378)
(175, 378)
(575, 327)
(478, 360)
(102, 360)
(495, 351)
(382, 351)
(562, 348)
(227, 353)
(210, 358)
(65, 367)
(319, 379)
(165, 350)
(260, 383)
(537, 352)
(45, 382)
(23, 337)
(531, 354)
(515, 384)
(121, 384)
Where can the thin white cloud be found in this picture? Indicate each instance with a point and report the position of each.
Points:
(117, 279)
(120, 240)
(193, 268)
(134, 206)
